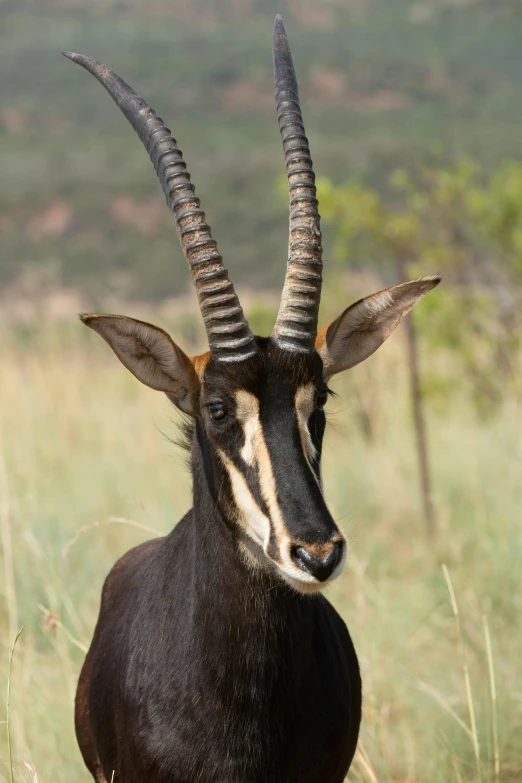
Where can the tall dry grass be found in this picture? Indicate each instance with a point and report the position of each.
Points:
(85, 473)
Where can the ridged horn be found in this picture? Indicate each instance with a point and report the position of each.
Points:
(229, 335)
(296, 324)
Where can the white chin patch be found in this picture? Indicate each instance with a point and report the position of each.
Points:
(302, 586)
(306, 583)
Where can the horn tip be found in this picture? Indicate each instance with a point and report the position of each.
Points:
(86, 62)
(71, 55)
(279, 26)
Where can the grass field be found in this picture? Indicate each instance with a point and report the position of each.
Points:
(86, 473)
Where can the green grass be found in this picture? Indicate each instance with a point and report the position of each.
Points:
(82, 450)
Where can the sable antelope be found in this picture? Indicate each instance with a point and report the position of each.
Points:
(215, 657)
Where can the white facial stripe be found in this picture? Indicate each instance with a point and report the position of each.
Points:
(247, 413)
(250, 516)
(304, 406)
(255, 452)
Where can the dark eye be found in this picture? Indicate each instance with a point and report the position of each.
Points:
(321, 399)
(217, 411)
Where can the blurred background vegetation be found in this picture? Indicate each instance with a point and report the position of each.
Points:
(413, 111)
(386, 84)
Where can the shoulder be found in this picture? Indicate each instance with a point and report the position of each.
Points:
(145, 564)
(128, 567)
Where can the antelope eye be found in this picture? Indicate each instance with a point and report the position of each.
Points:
(217, 411)
(321, 399)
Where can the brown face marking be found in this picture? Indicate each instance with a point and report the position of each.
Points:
(200, 362)
(320, 340)
(321, 551)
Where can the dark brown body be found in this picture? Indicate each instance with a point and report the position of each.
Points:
(204, 670)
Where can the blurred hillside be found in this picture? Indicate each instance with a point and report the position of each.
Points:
(384, 83)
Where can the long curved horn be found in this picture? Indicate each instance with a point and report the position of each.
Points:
(229, 335)
(296, 324)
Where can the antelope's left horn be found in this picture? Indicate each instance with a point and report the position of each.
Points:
(229, 335)
(296, 324)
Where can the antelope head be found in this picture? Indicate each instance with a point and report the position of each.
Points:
(258, 402)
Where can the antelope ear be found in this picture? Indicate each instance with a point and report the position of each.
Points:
(364, 326)
(151, 355)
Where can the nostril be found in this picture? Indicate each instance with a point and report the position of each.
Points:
(320, 569)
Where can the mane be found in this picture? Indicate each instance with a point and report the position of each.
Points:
(184, 433)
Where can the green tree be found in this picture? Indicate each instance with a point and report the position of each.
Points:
(467, 226)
